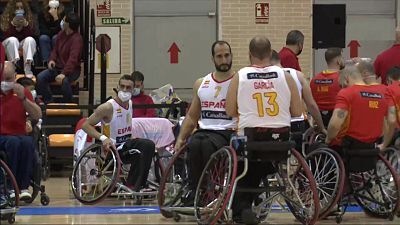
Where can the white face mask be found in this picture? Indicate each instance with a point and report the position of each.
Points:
(62, 24)
(136, 91)
(54, 4)
(124, 95)
(6, 86)
(34, 94)
(19, 12)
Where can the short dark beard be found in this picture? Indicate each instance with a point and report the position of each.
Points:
(219, 69)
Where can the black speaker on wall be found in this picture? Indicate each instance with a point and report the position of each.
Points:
(329, 25)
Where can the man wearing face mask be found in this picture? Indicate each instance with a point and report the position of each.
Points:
(15, 103)
(293, 48)
(64, 64)
(139, 97)
(207, 111)
(116, 119)
(325, 85)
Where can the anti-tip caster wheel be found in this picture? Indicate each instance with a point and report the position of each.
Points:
(11, 219)
(177, 218)
(44, 199)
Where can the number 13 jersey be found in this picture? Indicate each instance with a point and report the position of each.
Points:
(263, 98)
(212, 95)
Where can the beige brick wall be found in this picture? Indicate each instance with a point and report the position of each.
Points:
(119, 8)
(238, 27)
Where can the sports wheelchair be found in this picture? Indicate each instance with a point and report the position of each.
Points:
(8, 184)
(40, 167)
(356, 170)
(214, 193)
(96, 174)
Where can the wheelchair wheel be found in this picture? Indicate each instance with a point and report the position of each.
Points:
(173, 184)
(377, 191)
(9, 184)
(392, 154)
(215, 186)
(301, 193)
(95, 174)
(329, 174)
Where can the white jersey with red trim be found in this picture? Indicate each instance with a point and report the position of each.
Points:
(119, 129)
(263, 98)
(212, 95)
(293, 73)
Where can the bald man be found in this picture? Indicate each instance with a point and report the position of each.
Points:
(388, 58)
(366, 68)
(359, 112)
(15, 103)
(263, 97)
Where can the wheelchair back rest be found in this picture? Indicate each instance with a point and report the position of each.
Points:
(271, 151)
(361, 160)
(359, 156)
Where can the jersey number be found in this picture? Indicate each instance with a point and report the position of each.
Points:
(273, 110)
(217, 91)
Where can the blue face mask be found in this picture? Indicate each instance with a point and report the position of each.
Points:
(62, 24)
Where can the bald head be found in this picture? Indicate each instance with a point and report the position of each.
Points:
(350, 75)
(260, 47)
(366, 68)
(8, 72)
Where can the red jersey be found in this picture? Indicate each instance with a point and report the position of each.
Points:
(324, 88)
(13, 113)
(289, 59)
(367, 107)
(387, 60)
(393, 98)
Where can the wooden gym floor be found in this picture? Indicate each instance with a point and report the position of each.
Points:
(63, 209)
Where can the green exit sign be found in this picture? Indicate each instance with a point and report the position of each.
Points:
(115, 20)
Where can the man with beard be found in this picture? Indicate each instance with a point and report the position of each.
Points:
(207, 111)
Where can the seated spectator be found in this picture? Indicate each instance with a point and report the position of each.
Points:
(139, 97)
(65, 60)
(15, 103)
(18, 27)
(49, 25)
